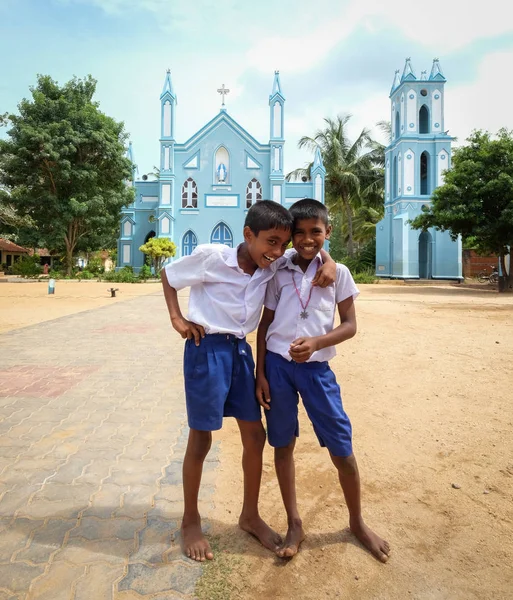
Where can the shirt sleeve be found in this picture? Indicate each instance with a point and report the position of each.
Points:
(272, 294)
(345, 285)
(188, 270)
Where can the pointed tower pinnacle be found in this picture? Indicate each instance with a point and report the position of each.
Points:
(396, 83)
(436, 71)
(168, 85)
(408, 74)
(317, 159)
(276, 85)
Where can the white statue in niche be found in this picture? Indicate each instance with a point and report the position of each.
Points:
(221, 173)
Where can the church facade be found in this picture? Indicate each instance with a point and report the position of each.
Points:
(207, 184)
(416, 159)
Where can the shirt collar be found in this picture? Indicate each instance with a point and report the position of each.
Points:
(291, 265)
(231, 257)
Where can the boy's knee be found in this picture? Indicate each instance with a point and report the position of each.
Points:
(284, 453)
(345, 464)
(199, 444)
(253, 437)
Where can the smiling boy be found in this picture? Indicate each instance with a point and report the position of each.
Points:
(296, 338)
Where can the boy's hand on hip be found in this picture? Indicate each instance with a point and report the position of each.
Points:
(188, 329)
(262, 392)
(326, 275)
(303, 348)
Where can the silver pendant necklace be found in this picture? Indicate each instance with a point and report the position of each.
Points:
(304, 313)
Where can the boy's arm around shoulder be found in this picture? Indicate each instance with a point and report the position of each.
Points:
(327, 273)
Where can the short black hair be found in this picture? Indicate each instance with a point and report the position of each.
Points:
(309, 209)
(266, 214)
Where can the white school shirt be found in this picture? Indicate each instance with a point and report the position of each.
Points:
(281, 296)
(223, 299)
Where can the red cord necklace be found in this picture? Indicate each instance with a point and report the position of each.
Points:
(304, 313)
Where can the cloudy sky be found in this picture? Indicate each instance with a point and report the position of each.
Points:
(334, 56)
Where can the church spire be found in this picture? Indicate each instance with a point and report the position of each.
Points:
(168, 86)
(276, 85)
(396, 83)
(408, 74)
(436, 71)
(317, 160)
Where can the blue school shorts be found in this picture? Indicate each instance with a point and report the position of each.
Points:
(219, 381)
(320, 392)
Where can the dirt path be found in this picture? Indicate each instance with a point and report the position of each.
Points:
(28, 303)
(428, 385)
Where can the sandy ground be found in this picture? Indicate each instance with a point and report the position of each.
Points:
(26, 303)
(428, 385)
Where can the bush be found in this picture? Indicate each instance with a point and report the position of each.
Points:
(145, 272)
(367, 276)
(124, 275)
(55, 274)
(85, 275)
(95, 266)
(27, 266)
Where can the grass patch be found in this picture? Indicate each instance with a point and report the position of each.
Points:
(216, 582)
(367, 276)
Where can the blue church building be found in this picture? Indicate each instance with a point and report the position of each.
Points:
(416, 159)
(207, 184)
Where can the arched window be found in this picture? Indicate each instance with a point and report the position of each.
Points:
(424, 174)
(397, 125)
(189, 194)
(189, 243)
(222, 234)
(253, 192)
(423, 119)
(394, 179)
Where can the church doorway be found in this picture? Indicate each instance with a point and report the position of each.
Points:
(222, 234)
(425, 255)
(147, 259)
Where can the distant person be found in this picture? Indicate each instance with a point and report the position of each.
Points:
(296, 338)
(226, 298)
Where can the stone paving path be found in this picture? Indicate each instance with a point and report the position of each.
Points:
(92, 436)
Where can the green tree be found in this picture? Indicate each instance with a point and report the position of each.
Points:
(158, 249)
(354, 177)
(476, 200)
(64, 165)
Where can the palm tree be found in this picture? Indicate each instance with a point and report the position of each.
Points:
(354, 176)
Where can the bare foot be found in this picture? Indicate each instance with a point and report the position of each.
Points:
(376, 546)
(263, 533)
(194, 544)
(295, 535)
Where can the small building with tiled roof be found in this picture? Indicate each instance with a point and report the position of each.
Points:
(10, 252)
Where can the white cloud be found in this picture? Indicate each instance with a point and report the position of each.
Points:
(485, 103)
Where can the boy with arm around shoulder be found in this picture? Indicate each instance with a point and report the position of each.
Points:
(226, 297)
(295, 340)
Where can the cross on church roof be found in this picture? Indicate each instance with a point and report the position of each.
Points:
(223, 91)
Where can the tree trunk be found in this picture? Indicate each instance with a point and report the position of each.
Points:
(349, 216)
(71, 241)
(506, 279)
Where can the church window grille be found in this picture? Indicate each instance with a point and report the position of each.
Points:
(423, 119)
(424, 174)
(189, 194)
(222, 234)
(189, 243)
(253, 192)
(397, 125)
